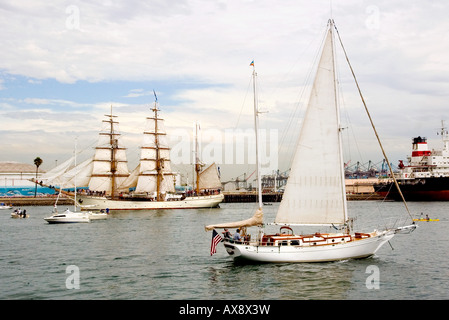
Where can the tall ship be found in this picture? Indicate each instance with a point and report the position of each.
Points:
(425, 177)
(106, 184)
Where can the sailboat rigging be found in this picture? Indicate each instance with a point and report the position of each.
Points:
(315, 192)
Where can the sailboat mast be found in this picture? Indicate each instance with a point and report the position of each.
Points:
(113, 143)
(75, 181)
(337, 110)
(256, 127)
(158, 156)
(197, 161)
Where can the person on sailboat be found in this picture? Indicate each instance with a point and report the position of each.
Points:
(226, 234)
(237, 236)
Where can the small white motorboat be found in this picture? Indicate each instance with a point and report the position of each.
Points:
(68, 217)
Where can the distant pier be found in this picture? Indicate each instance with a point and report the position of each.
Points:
(356, 189)
(38, 201)
(232, 197)
(250, 196)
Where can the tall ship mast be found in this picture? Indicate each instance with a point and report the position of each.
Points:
(155, 174)
(109, 164)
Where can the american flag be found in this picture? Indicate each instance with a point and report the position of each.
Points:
(216, 238)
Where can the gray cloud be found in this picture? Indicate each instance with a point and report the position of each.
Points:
(398, 50)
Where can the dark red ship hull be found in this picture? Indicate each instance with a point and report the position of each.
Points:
(426, 189)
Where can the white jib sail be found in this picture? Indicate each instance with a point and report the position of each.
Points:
(52, 176)
(315, 191)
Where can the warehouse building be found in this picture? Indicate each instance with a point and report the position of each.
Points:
(16, 174)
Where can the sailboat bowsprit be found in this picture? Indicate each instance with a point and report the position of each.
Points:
(315, 193)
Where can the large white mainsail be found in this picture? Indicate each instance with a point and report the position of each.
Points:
(315, 192)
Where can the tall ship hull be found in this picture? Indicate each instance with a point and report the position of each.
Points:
(425, 178)
(102, 203)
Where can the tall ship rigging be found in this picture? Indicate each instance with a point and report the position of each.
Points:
(108, 182)
(426, 175)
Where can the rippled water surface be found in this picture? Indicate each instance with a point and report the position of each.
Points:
(165, 255)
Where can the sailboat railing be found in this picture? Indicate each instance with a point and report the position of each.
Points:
(386, 223)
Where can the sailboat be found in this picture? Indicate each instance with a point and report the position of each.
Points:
(109, 182)
(68, 216)
(315, 192)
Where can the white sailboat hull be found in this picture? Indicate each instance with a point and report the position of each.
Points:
(355, 249)
(69, 217)
(99, 203)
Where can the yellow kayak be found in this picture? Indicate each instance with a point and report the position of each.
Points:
(424, 219)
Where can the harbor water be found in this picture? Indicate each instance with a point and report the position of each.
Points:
(165, 255)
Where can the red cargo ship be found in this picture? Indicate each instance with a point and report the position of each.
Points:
(425, 178)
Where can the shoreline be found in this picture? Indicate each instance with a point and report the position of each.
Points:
(230, 197)
(38, 201)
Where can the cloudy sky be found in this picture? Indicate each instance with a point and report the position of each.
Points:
(64, 63)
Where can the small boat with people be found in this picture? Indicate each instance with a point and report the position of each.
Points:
(19, 214)
(426, 218)
(98, 215)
